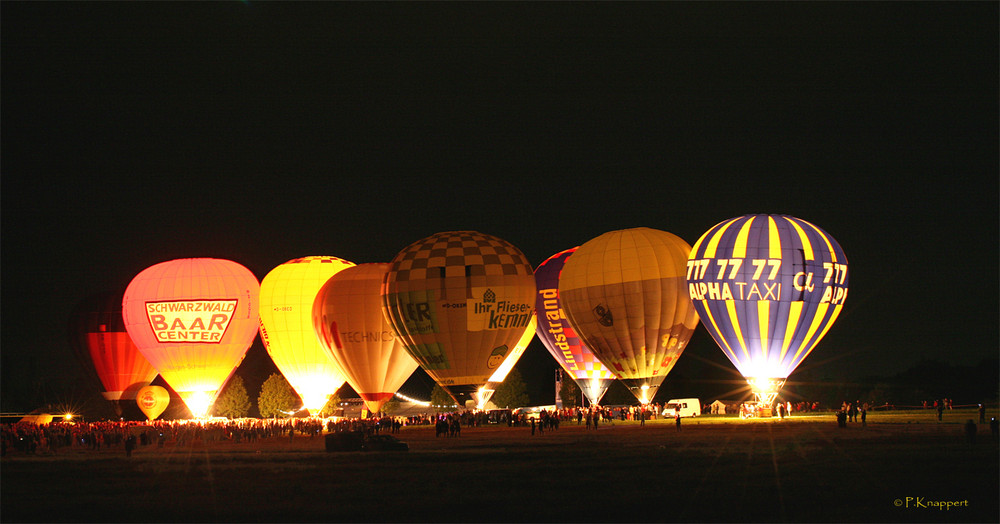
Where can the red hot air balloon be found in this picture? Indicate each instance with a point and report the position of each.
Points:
(104, 343)
(194, 320)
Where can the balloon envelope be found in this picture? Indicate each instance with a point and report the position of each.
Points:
(194, 320)
(559, 337)
(625, 293)
(105, 344)
(498, 376)
(347, 316)
(152, 401)
(768, 288)
(287, 294)
(460, 301)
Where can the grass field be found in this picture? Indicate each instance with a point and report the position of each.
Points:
(904, 467)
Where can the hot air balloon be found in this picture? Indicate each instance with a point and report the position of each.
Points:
(559, 337)
(152, 401)
(483, 395)
(460, 301)
(768, 288)
(104, 343)
(193, 319)
(625, 294)
(287, 294)
(347, 316)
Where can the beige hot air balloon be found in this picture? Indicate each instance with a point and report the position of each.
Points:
(287, 295)
(460, 300)
(347, 317)
(625, 292)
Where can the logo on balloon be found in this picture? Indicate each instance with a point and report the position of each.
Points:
(190, 321)
(603, 315)
(148, 400)
(489, 314)
(496, 356)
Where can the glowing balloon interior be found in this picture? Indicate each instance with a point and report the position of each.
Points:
(152, 401)
(347, 317)
(625, 293)
(768, 288)
(559, 337)
(287, 294)
(194, 320)
(460, 301)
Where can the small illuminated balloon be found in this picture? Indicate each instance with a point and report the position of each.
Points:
(152, 401)
(193, 319)
(287, 295)
(347, 316)
(768, 288)
(460, 301)
(560, 338)
(625, 294)
(105, 345)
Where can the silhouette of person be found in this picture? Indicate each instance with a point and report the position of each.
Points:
(677, 420)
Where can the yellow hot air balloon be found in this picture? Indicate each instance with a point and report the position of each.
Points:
(347, 317)
(152, 401)
(498, 376)
(193, 319)
(460, 300)
(625, 293)
(287, 294)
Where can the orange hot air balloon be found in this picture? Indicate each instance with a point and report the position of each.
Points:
(347, 317)
(194, 320)
(460, 300)
(105, 344)
(625, 292)
(152, 401)
(287, 294)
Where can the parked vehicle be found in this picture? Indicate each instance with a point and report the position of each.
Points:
(687, 407)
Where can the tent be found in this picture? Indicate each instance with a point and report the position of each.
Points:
(721, 407)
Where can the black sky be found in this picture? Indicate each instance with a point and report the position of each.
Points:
(134, 133)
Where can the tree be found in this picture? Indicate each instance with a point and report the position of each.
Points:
(569, 392)
(441, 399)
(512, 392)
(331, 407)
(234, 402)
(277, 397)
(391, 406)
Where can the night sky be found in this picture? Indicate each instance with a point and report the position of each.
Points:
(134, 133)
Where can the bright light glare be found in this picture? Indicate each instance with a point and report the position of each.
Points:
(765, 389)
(198, 402)
(314, 402)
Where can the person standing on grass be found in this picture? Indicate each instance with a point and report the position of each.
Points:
(677, 420)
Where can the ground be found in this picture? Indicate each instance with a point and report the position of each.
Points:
(904, 467)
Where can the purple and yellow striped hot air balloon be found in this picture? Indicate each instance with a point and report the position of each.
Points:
(768, 288)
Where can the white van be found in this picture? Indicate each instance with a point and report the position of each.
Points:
(687, 407)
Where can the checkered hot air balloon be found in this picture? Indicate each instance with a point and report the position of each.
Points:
(460, 301)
